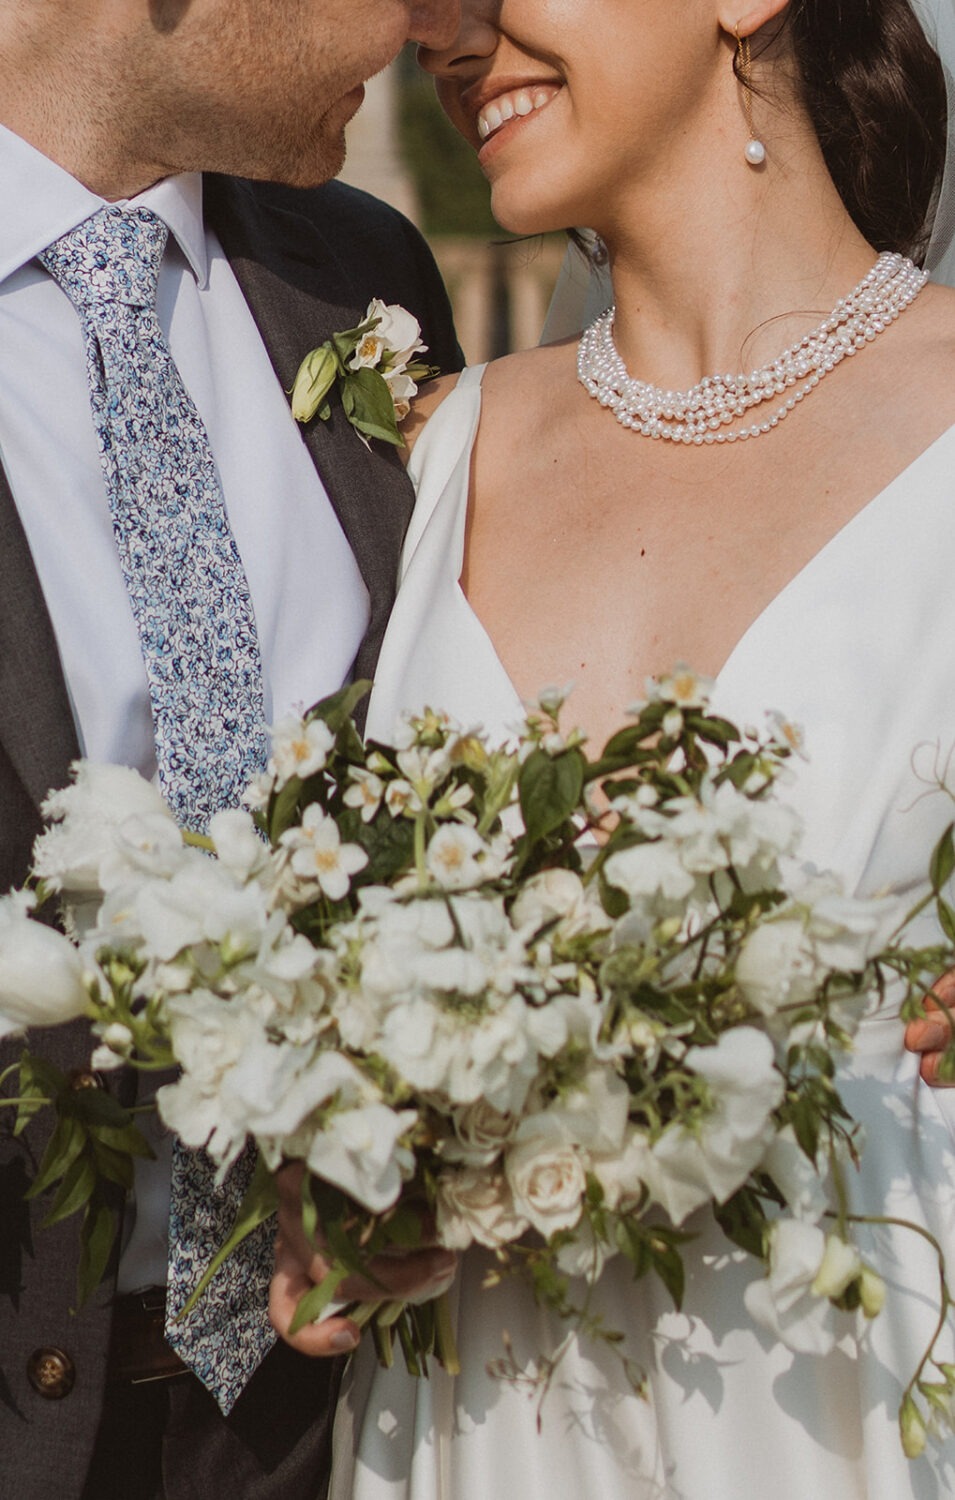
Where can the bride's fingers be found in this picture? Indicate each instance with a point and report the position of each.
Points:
(932, 1034)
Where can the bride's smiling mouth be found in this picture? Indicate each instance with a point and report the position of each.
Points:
(515, 104)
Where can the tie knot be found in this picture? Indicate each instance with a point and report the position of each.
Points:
(112, 257)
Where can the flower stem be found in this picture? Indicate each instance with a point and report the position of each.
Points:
(445, 1344)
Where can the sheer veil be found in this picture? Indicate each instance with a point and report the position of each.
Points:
(583, 288)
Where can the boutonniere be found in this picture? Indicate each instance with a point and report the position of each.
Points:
(374, 368)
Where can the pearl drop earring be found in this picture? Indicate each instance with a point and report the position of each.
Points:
(755, 152)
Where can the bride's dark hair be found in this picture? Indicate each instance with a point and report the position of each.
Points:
(875, 91)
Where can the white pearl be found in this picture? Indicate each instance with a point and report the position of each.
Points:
(755, 153)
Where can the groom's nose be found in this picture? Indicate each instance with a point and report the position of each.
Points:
(434, 23)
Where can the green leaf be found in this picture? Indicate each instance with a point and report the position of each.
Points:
(115, 1166)
(76, 1189)
(128, 1139)
(369, 405)
(549, 787)
(946, 917)
(95, 1108)
(339, 707)
(668, 1264)
(62, 1150)
(313, 1304)
(943, 860)
(743, 1221)
(282, 810)
(100, 1226)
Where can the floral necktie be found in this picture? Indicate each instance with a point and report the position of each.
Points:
(191, 603)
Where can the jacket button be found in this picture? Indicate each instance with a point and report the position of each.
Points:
(51, 1373)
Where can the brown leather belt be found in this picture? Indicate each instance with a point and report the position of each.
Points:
(137, 1348)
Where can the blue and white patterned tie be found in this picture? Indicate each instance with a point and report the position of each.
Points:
(191, 602)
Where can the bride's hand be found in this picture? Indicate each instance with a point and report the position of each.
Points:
(299, 1266)
(933, 1035)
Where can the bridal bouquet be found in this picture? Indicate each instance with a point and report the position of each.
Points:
(517, 997)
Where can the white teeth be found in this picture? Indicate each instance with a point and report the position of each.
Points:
(519, 103)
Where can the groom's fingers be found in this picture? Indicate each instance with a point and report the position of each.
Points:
(289, 1284)
(404, 1275)
(931, 1035)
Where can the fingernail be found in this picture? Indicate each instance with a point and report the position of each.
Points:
(344, 1341)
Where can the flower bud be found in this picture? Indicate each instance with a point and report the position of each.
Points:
(41, 977)
(871, 1292)
(316, 376)
(912, 1429)
(841, 1265)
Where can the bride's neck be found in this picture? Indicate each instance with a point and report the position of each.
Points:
(719, 275)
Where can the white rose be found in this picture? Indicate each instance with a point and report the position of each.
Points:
(546, 1175)
(777, 966)
(480, 1134)
(41, 973)
(475, 1205)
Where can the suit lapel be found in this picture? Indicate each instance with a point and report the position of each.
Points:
(300, 293)
(36, 720)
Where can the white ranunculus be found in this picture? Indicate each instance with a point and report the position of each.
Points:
(41, 973)
(846, 932)
(546, 1174)
(558, 896)
(585, 1255)
(359, 1151)
(784, 1302)
(690, 1165)
(201, 903)
(651, 874)
(798, 1179)
(85, 818)
(777, 966)
(474, 1205)
(238, 845)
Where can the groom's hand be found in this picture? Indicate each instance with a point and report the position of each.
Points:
(299, 1265)
(932, 1035)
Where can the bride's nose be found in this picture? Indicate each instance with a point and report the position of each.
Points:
(476, 40)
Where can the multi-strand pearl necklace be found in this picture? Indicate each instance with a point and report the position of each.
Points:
(701, 415)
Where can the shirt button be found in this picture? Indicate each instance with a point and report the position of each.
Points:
(51, 1373)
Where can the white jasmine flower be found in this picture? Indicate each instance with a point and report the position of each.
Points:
(365, 791)
(401, 799)
(560, 897)
(683, 687)
(299, 747)
(455, 857)
(319, 856)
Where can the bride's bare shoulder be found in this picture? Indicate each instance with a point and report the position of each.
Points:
(522, 385)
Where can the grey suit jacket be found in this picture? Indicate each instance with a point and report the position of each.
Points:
(308, 262)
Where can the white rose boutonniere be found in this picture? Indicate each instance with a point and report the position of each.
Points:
(375, 368)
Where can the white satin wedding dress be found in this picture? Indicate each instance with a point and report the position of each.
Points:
(860, 650)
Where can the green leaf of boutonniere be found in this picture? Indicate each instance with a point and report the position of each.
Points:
(369, 406)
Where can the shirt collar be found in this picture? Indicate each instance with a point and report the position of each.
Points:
(47, 202)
